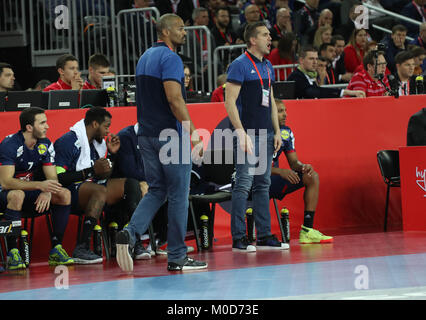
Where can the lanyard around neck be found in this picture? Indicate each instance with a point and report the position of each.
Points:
(258, 73)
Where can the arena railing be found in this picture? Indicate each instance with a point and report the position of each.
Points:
(199, 56)
(135, 33)
(13, 24)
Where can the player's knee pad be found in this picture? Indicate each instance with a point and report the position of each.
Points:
(132, 194)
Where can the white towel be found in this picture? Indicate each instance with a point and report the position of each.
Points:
(84, 161)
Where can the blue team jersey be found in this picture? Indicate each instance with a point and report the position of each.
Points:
(14, 152)
(249, 102)
(287, 145)
(68, 151)
(157, 65)
(128, 162)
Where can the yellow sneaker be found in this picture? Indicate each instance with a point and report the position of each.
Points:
(309, 235)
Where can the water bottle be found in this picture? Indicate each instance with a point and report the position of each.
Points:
(285, 222)
(251, 232)
(112, 97)
(24, 247)
(97, 240)
(113, 229)
(205, 232)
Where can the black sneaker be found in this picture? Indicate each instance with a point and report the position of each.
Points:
(271, 243)
(83, 255)
(124, 251)
(186, 264)
(243, 245)
(139, 252)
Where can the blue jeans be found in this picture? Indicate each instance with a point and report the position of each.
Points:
(166, 182)
(248, 179)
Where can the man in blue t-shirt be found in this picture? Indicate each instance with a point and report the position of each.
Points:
(24, 158)
(163, 138)
(252, 111)
(285, 181)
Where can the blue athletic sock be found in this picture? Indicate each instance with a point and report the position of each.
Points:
(10, 214)
(60, 216)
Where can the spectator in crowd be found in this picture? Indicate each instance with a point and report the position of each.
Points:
(305, 77)
(420, 39)
(405, 81)
(416, 129)
(395, 43)
(98, 68)
(218, 95)
(201, 18)
(419, 55)
(414, 10)
(284, 54)
(378, 18)
(322, 71)
(212, 8)
(328, 52)
(322, 35)
(339, 61)
(368, 79)
(251, 107)
(69, 74)
(251, 14)
(347, 28)
(41, 85)
(24, 156)
(299, 175)
(354, 51)
(84, 169)
(283, 25)
(222, 30)
(306, 18)
(325, 19)
(189, 86)
(7, 77)
(182, 8)
(266, 12)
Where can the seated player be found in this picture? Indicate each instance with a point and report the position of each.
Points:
(285, 181)
(22, 156)
(84, 169)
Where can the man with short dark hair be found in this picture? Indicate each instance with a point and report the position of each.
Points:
(368, 80)
(161, 110)
(251, 109)
(98, 68)
(405, 82)
(395, 43)
(23, 157)
(306, 79)
(7, 77)
(69, 74)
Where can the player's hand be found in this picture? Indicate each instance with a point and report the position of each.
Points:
(290, 175)
(144, 188)
(113, 143)
(52, 186)
(307, 169)
(77, 82)
(245, 142)
(102, 168)
(277, 142)
(42, 202)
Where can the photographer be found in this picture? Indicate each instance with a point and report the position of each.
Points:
(372, 79)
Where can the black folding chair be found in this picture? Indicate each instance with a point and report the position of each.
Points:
(389, 167)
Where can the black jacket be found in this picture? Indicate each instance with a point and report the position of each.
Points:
(416, 131)
(305, 90)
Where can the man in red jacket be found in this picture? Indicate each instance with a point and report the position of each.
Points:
(69, 74)
(368, 80)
